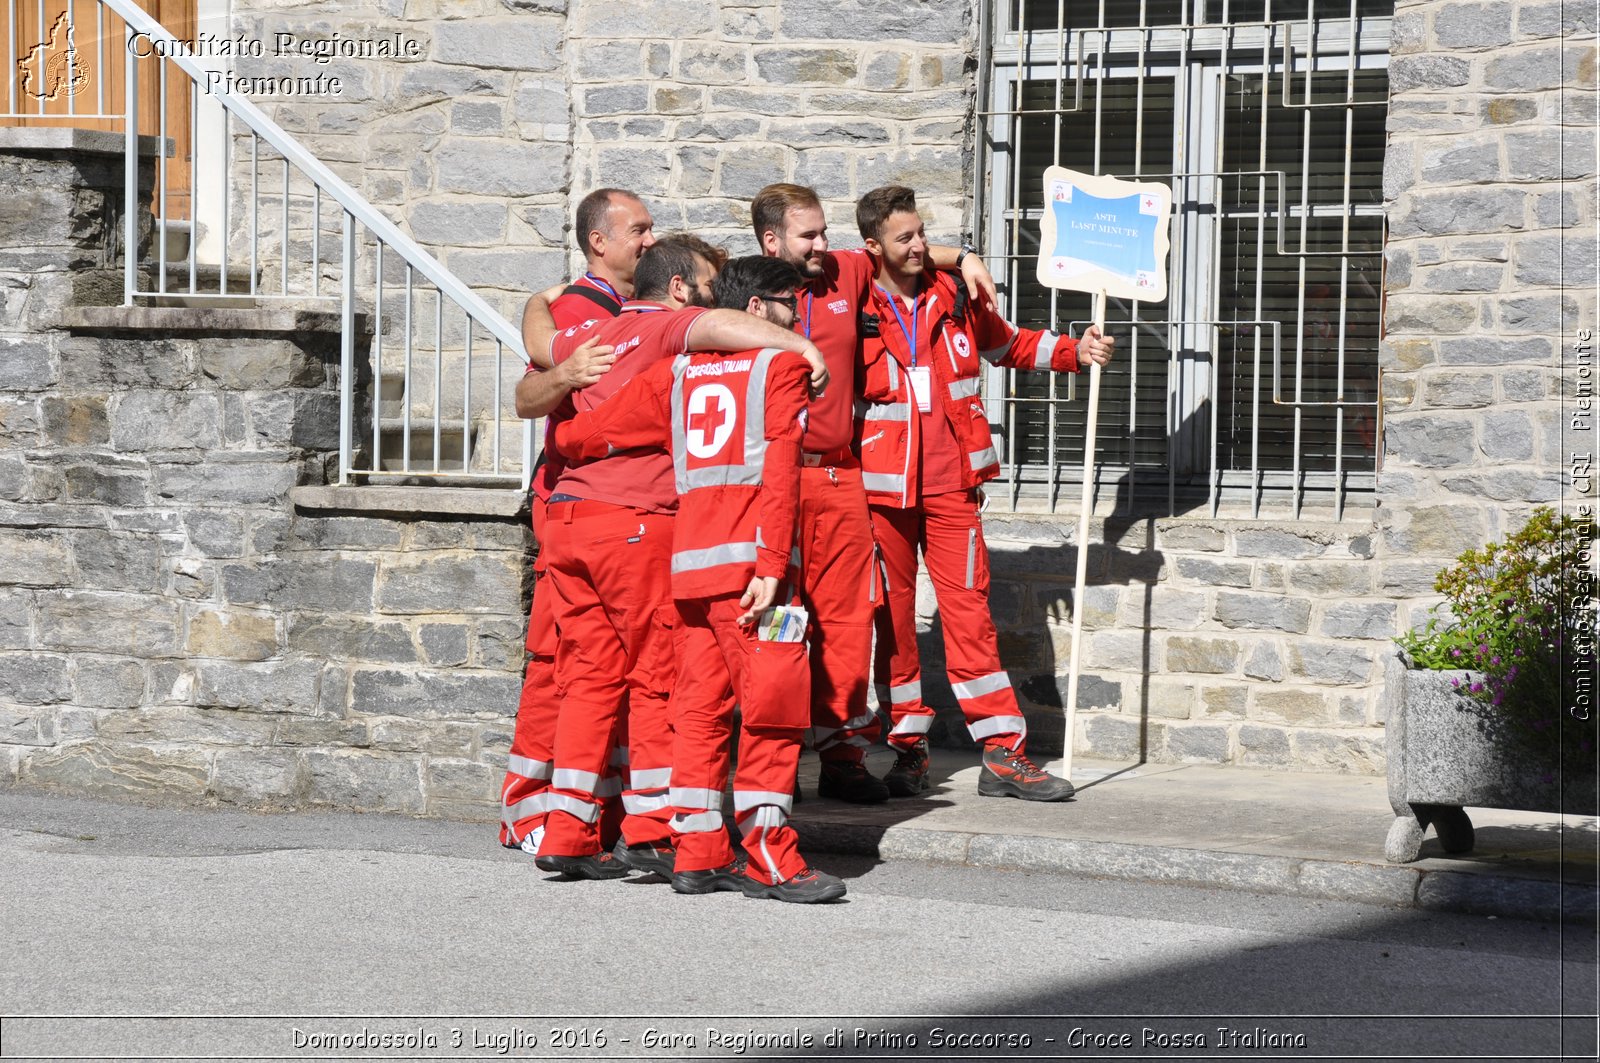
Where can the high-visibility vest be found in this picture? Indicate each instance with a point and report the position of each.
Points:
(719, 448)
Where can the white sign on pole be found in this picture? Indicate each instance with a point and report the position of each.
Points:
(1108, 237)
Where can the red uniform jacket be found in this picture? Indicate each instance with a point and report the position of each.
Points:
(962, 346)
(733, 423)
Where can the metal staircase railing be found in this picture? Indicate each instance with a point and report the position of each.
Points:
(286, 228)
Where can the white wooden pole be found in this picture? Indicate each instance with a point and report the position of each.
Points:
(1083, 539)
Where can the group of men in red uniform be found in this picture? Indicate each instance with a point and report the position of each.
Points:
(812, 434)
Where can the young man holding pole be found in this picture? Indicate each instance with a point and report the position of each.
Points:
(925, 449)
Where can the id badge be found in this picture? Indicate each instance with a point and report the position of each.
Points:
(921, 387)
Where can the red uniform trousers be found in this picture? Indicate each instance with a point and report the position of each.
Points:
(838, 583)
(949, 532)
(522, 795)
(609, 569)
(769, 679)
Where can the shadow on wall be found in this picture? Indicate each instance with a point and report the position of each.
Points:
(1031, 598)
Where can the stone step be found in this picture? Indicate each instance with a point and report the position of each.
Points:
(392, 437)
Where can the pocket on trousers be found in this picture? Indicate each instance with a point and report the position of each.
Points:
(657, 665)
(778, 686)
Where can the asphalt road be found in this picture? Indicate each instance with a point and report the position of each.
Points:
(431, 942)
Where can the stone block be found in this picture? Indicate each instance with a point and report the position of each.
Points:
(347, 533)
(1552, 261)
(513, 270)
(28, 727)
(457, 223)
(484, 583)
(1337, 578)
(1199, 743)
(1458, 390)
(34, 558)
(329, 584)
(1204, 655)
(1554, 20)
(113, 562)
(184, 725)
(320, 731)
(1263, 747)
(790, 66)
(1431, 314)
(283, 686)
(888, 71)
(435, 695)
(930, 23)
(463, 780)
(1539, 69)
(1472, 26)
(444, 644)
(1463, 163)
(351, 639)
(74, 420)
(231, 634)
(542, 103)
(1202, 537)
(1357, 751)
(26, 364)
(747, 172)
(104, 482)
(500, 644)
(16, 621)
(216, 482)
(34, 679)
(165, 420)
(259, 777)
(108, 683)
(422, 83)
(1265, 662)
(1175, 609)
(1428, 441)
(105, 769)
(1507, 437)
(1508, 485)
(1215, 573)
(1409, 72)
(1250, 542)
(499, 44)
(1464, 279)
(660, 20)
(1110, 736)
(245, 363)
(1293, 707)
(503, 534)
(1330, 663)
(132, 625)
(1263, 612)
(934, 171)
(712, 63)
(1227, 702)
(1360, 620)
(497, 168)
(436, 738)
(1550, 155)
(1557, 210)
(646, 170)
(1463, 211)
(365, 782)
(1119, 651)
(1169, 698)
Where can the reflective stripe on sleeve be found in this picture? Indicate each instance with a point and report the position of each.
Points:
(885, 483)
(994, 354)
(769, 817)
(1045, 355)
(711, 557)
(610, 786)
(982, 459)
(887, 411)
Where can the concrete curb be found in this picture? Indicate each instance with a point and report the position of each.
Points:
(1475, 893)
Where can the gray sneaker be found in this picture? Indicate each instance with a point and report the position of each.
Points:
(909, 776)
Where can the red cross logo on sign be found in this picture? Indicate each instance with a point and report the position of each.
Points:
(710, 420)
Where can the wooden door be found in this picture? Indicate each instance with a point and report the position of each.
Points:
(67, 63)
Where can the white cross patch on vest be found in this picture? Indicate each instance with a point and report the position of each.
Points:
(963, 347)
(710, 421)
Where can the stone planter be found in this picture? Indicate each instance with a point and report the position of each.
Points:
(1448, 751)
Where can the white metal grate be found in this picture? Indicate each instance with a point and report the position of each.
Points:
(1254, 384)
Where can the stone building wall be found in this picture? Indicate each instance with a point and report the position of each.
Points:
(184, 613)
(1490, 185)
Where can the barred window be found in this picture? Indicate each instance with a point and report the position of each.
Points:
(1254, 384)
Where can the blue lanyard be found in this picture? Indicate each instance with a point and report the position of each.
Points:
(911, 334)
(598, 283)
(809, 297)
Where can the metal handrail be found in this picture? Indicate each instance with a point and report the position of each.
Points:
(308, 164)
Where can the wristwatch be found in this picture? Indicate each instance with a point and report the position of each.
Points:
(966, 249)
